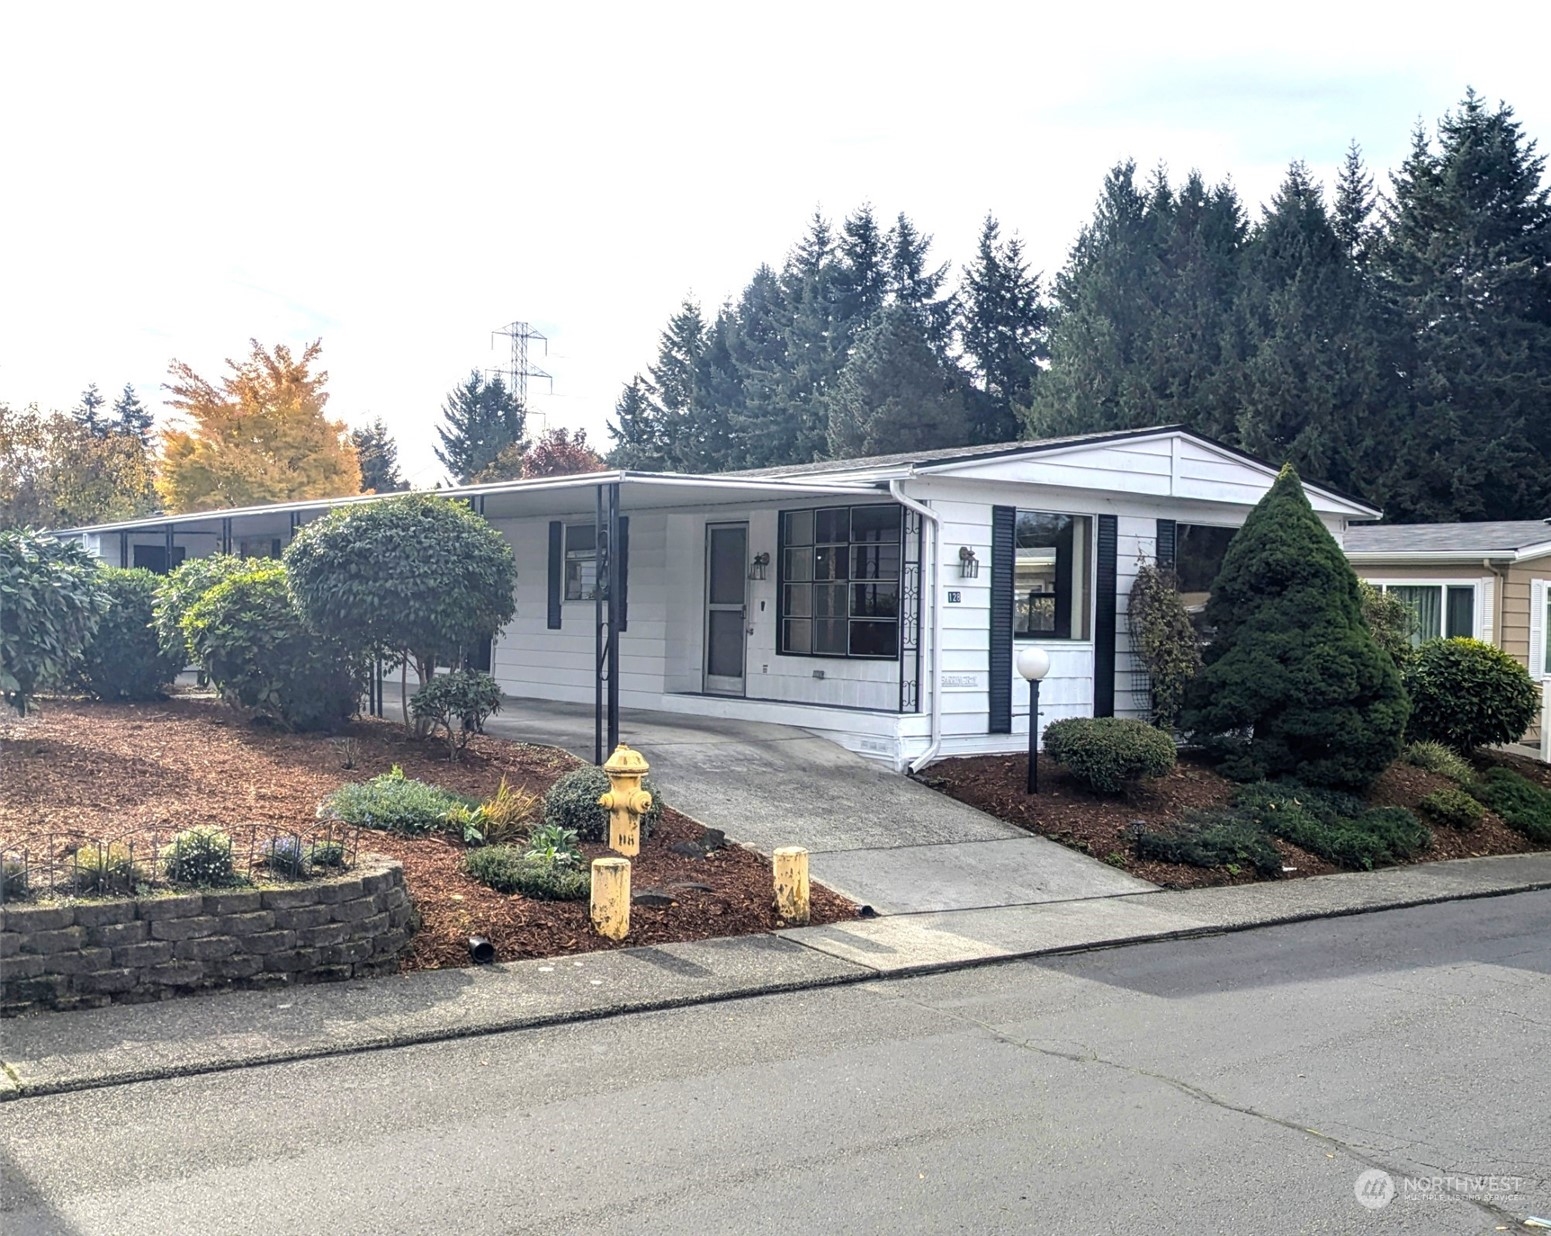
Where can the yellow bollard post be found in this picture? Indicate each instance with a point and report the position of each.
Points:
(626, 802)
(791, 883)
(611, 897)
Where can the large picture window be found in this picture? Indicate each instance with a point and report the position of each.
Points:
(581, 562)
(839, 582)
(1437, 609)
(1052, 574)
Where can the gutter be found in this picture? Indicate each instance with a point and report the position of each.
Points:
(931, 516)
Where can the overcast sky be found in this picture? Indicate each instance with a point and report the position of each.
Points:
(400, 180)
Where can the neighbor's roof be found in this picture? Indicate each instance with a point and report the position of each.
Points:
(1511, 538)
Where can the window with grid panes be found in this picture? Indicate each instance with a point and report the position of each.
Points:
(840, 571)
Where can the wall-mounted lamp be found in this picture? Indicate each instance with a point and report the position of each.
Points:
(969, 565)
(758, 567)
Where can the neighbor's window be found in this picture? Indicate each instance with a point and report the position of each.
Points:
(840, 582)
(154, 557)
(1437, 609)
(1052, 592)
(1199, 550)
(581, 562)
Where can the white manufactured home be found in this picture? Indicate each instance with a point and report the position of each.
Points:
(877, 602)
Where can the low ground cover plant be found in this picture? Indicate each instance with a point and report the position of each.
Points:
(201, 855)
(572, 802)
(1453, 808)
(1335, 826)
(1524, 806)
(1218, 838)
(393, 802)
(1109, 755)
(1436, 758)
(551, 868)
(1468, 694)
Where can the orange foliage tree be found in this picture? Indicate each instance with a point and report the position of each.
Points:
(260, 436)
(558, 453)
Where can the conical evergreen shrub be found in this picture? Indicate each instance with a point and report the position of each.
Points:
(1294, 684)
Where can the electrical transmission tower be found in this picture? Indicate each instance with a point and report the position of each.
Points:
(521, 368)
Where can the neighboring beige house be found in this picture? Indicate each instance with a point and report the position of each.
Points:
(1485, 580)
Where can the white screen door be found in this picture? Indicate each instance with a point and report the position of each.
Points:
(726, 590)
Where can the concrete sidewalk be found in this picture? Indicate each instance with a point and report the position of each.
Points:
(880, 838)
(58, 1052)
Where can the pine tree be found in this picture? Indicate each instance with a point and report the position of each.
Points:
(482, 421)
(860, 281)
(1355, 200)
(131, 416)
(637, 430)
(1466, 260)
(911, 283)
(813, 346)
(1294, 684)
(379, 457)
(894, 394)
(89, 411)
(765, 425)
(1002, 327)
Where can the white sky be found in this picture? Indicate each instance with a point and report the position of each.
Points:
(401, 179)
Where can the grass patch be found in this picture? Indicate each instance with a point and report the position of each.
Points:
(1436, 758)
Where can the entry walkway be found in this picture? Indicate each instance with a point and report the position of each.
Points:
(876, 836)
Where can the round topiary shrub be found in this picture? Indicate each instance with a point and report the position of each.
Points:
(1468, 694)
(1109, 754)
(125, 658)
(200, 855)
(572, 802)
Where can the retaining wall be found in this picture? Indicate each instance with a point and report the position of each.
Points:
(78, 954)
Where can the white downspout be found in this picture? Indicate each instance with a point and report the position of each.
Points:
(933, 583)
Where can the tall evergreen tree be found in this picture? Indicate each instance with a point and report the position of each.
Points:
(765, 425)
(482, 420)
(1466, 259)
(131, 416)
(1002, 327)
(637, 430)
(814, 350)
(913, 283)
(1355, 201)
(895, 393)
(860, 282)
(379, 456)
(89, 411)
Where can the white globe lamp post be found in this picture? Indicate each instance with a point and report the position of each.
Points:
(1033, 664)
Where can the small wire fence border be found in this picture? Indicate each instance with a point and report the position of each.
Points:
(71, 863)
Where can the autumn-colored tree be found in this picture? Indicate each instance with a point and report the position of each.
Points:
(56, 471)
(558, 453)
(260, 436)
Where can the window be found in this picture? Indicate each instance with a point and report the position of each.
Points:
(1199, 550)
(840, 582)
(1052, 588)
(581, 562)
(1437, 609)
(154, 557)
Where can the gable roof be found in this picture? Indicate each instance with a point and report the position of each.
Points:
(1511, 538)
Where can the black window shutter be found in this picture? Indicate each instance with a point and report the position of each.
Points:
(1106, 558)
(622, 572)
(1166, 539)
(556, 571)
(1003, 520)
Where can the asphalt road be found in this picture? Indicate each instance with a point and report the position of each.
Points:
(1238, 1084)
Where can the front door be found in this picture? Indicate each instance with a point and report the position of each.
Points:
(726, 620)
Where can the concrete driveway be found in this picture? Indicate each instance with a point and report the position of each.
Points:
(876, 836)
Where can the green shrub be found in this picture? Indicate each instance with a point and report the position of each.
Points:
(1212, 839)
(555, 845)
(251, 641)
(572, 802)
(1524, 806)
(329, 854)
(51, 599)
(200, 855)
(1294, 684)
(97, 868)
(124, 659)
(1390, 621)
(456, 706)
(1436, 758)
(1109, 754)
(1335, 826)
(507, 869)
(508, 814)
(285, 858)
(393, 802)
(13, 879)
(1468, 694)
(1163, 639)
(1453, 808)
(177, 591)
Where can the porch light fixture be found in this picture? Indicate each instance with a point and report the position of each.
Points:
(758, 566)
(969, 565)
(1033, 664)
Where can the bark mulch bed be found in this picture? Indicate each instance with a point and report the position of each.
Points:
(1066, 812)
(109, 770)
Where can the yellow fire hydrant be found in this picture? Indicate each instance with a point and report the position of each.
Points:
(626, 802)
